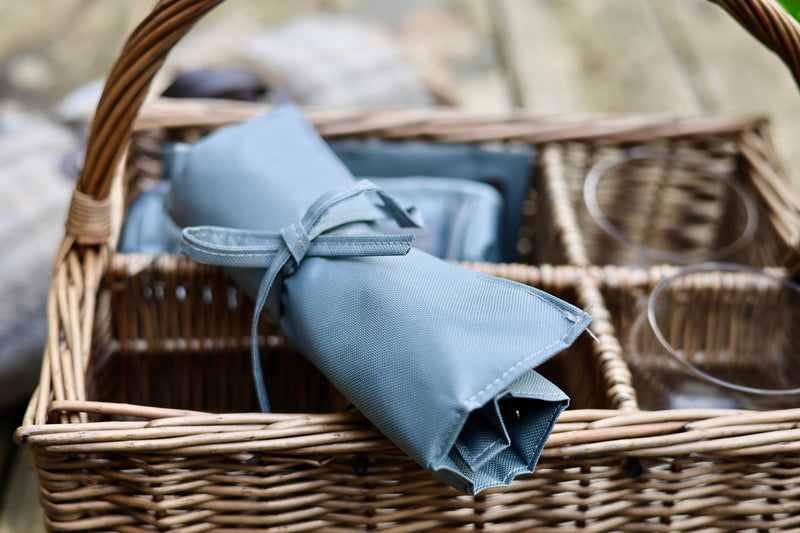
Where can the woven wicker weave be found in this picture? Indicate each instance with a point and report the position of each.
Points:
(142, 349)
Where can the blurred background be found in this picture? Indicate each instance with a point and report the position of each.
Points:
(551, 56)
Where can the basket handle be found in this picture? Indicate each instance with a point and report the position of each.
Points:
(148, 45)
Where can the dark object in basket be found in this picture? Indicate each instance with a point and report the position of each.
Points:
(508, 170)
(227, 83)
(438, 357)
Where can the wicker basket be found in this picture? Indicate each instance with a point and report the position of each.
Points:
(142, 350)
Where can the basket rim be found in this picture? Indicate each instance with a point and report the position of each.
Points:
(577, 433)
(448, 124)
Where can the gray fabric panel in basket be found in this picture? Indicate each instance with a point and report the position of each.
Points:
(509, 169)
(148, 229)
(460, 218)
(440, 358)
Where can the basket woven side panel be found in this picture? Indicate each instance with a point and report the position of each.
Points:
(341, 476)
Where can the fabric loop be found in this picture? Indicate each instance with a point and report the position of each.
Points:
(88, 219)
(296, 241)
(275, 252)
(318, 209)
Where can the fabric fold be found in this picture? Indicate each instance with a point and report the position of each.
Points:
(438, 357)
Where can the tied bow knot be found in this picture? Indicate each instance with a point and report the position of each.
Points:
(281, 253)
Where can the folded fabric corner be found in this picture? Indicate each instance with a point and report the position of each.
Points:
(504, 438)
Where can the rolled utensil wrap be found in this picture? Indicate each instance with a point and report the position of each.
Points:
(438, 357)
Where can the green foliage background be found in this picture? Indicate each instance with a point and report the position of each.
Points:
(792, 6)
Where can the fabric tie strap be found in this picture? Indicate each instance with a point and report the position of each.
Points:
(280, 253)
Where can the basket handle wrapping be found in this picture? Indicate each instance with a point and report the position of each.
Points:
(82, 257)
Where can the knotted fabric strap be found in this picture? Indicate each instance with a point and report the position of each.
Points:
(282, 252)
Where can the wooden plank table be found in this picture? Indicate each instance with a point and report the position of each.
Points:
(678, 56)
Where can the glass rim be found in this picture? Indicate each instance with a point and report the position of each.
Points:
(710, 267)
(600, 168)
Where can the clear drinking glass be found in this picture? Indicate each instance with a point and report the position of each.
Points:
(648, 207)
(717, 335)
